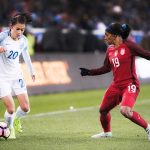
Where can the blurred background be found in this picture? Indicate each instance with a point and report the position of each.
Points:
(68, 34)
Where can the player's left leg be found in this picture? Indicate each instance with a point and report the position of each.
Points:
(20, 91)
(22, 110)
(128, 100)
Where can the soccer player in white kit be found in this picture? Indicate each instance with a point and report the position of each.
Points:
(13, 44)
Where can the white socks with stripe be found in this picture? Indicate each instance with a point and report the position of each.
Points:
(20, 113)
(9, 118)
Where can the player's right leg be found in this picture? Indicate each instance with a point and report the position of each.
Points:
(5, 95)
(9, 114)
(110, 100)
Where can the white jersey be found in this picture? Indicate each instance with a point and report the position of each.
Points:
(9, 60)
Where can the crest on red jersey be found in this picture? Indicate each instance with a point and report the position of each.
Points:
(122, 51)
(116, 53)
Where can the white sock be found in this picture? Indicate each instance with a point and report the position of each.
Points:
(148, 127)
(20, 113)
(9, 118)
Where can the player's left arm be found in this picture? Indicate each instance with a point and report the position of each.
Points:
(27, 60)
(137, 50)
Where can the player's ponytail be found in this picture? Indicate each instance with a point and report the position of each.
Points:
(22, 18)
(125, 31)
(118, 29)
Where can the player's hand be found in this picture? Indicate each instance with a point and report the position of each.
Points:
(2, 49)
(84, 72)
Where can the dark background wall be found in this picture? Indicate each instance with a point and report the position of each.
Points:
(60, 72)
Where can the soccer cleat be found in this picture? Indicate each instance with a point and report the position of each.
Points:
(12, 133)
(17, 125)
(148, 131)
(102, 135)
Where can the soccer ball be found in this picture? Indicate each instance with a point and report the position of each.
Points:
(4, 130)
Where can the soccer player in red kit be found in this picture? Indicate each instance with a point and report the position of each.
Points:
(124, 89)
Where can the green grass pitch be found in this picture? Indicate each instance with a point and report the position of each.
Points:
(52, 126)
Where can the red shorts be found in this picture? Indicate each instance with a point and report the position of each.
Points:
(123, 95)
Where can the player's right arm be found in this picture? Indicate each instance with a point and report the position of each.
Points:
(2, 49)
(98, 71)
(102, 70)
(3, 35)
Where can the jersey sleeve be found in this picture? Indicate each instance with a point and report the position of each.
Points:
(3, 35)
(102, 70)
(27, 58)
(136, 50)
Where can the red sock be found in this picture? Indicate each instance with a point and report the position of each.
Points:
(105, 122)
(136, 118)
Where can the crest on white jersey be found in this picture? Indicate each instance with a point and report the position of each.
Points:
(122, 51)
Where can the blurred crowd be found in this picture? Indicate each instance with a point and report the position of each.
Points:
(77, 16)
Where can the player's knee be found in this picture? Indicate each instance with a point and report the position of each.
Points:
(125, 112)
(102, 111)
(11, 110)
(26, 108)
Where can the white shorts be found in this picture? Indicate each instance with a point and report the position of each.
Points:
(12, 87)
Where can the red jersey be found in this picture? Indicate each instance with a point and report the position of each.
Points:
(121, 61)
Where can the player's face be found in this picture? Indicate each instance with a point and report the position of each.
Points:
(109, 38)
(17, 30)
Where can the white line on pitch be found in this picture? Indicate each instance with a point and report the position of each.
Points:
(78, 109)
(62, 111)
